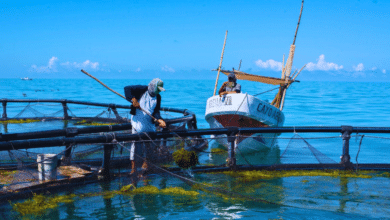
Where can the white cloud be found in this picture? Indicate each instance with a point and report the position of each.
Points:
(323, 65)
(269, 64)
(167, 69)
(359, 67)
(383, 71)
(51, 66)
(138, 70)
(374, 68)
(84, 65)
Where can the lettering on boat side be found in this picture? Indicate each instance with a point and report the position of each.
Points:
(268, 111)
(220, 101)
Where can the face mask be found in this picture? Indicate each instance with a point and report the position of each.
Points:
(157, 90)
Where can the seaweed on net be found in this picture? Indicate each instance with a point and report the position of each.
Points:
(39, 204)
(185, 159)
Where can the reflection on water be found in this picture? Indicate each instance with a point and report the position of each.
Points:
(315, 197)
(265, 157)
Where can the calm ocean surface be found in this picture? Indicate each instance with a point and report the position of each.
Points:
(307, 104)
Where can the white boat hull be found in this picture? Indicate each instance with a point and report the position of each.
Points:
(243, 110)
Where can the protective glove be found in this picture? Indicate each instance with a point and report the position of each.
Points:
(135, 103)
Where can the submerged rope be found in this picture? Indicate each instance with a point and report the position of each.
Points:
(357, 155)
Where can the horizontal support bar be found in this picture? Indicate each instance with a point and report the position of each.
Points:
(183, 111)
(71, 131)
(66, 101)
(83, 130)
(61, 141)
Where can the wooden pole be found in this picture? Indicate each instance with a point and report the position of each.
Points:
(285, 89)
(292, 75)
(283, 68)
(282, 102)
(239, 66)
(102, 83)
(299, 72)
(220, 64)
(290, 59)
(154, 119)
(299, 20)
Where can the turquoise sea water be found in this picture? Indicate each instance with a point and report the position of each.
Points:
(307, 104)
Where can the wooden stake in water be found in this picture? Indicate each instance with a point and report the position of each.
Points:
(220, 64)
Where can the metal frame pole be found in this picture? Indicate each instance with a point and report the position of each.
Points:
(4, 109)
(65, 107)
(105, 169)
(232, 154)
(346, 135)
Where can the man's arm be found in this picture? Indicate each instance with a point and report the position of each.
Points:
(135, 103)
(156, 113)
(222, 89)
(236, 90)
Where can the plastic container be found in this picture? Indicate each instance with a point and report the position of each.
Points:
(47, 166)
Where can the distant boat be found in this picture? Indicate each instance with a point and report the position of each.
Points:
(25, 78)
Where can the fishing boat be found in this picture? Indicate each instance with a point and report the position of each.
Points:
(245, 110)
(26, 78)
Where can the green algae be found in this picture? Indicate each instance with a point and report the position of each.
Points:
(127, 188)
(384, 174)
(171, 191)
(218, 151)
(38, 204)
(6, 176)
(145, 190)
(92, 123)
(178, 191)
(246, 176)
(185, 159)
(7, 172)
(19, 121)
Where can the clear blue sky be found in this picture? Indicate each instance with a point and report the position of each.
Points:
(343, 39)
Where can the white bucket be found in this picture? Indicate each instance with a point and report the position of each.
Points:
(47, 166)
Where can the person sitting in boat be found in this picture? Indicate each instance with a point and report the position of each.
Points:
(231, 86)
(146, 102)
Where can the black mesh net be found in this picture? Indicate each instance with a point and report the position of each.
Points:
(300, 150)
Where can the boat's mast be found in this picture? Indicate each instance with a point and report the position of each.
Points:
(289, 63)
(220, 64)
(239, 66)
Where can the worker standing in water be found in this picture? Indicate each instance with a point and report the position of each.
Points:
(146, 101)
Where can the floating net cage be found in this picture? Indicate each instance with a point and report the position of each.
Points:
(90, 139)
(30, 120)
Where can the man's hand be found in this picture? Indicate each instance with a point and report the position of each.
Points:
(135, 103)
(222, 93)
(161, 123)
(222, 88)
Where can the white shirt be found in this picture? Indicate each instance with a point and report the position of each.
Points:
(142, 122)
